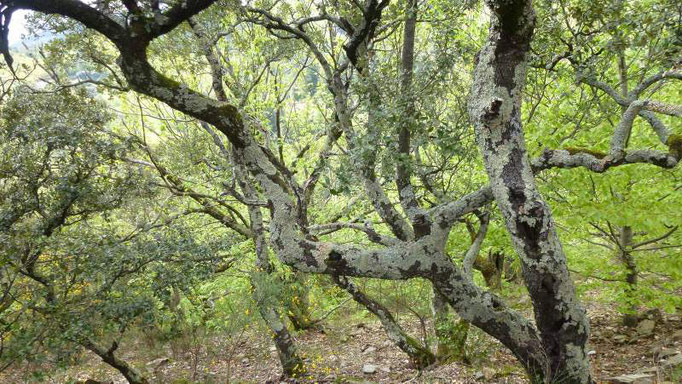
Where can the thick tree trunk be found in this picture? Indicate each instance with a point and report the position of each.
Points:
(495, 110)
(487, 312)
(292, 364)
(132, 375)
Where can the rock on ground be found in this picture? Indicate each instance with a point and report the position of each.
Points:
(369, 369)
(646, 327)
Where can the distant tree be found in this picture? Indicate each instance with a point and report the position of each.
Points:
(77, 268)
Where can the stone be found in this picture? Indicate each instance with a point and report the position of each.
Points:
(369, 349)
(245, 361)
(646, 327)
(635, 378)
(592, 352)
(385, 369)
(620, 339)
(609, 332)
(479, 375)
(369, 369)
(158, 362)
(273, 349)
(653, 314)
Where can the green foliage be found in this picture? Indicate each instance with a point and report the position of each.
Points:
(96, 242)
(84, 254)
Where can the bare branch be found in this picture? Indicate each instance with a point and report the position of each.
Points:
(656, 239)
(475, 248)
(367, 228)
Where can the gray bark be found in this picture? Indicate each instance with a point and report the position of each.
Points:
(292, 363)
(552, 351)
(419, 220)
(420, 355)
(452, 336)
(495, 110)
(626, 257)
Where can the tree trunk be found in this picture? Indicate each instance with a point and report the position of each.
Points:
(495, 109)
(491, 268)
(631, 317)
(450, 335)
(420, 356)
(298, 303)
(132, 375)
(555, 352)
(292, 364)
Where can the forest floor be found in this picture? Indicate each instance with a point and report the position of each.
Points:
(338, 354)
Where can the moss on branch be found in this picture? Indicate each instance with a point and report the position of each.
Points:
(674, 144)
(578, 150)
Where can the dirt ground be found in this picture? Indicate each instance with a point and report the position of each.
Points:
(338, 354)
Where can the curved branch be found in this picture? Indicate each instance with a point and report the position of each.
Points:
(563, 158)
(176, 15)
(656, 239)
(475, 248)
(644, 85)
(372, 234)
(76, 10)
